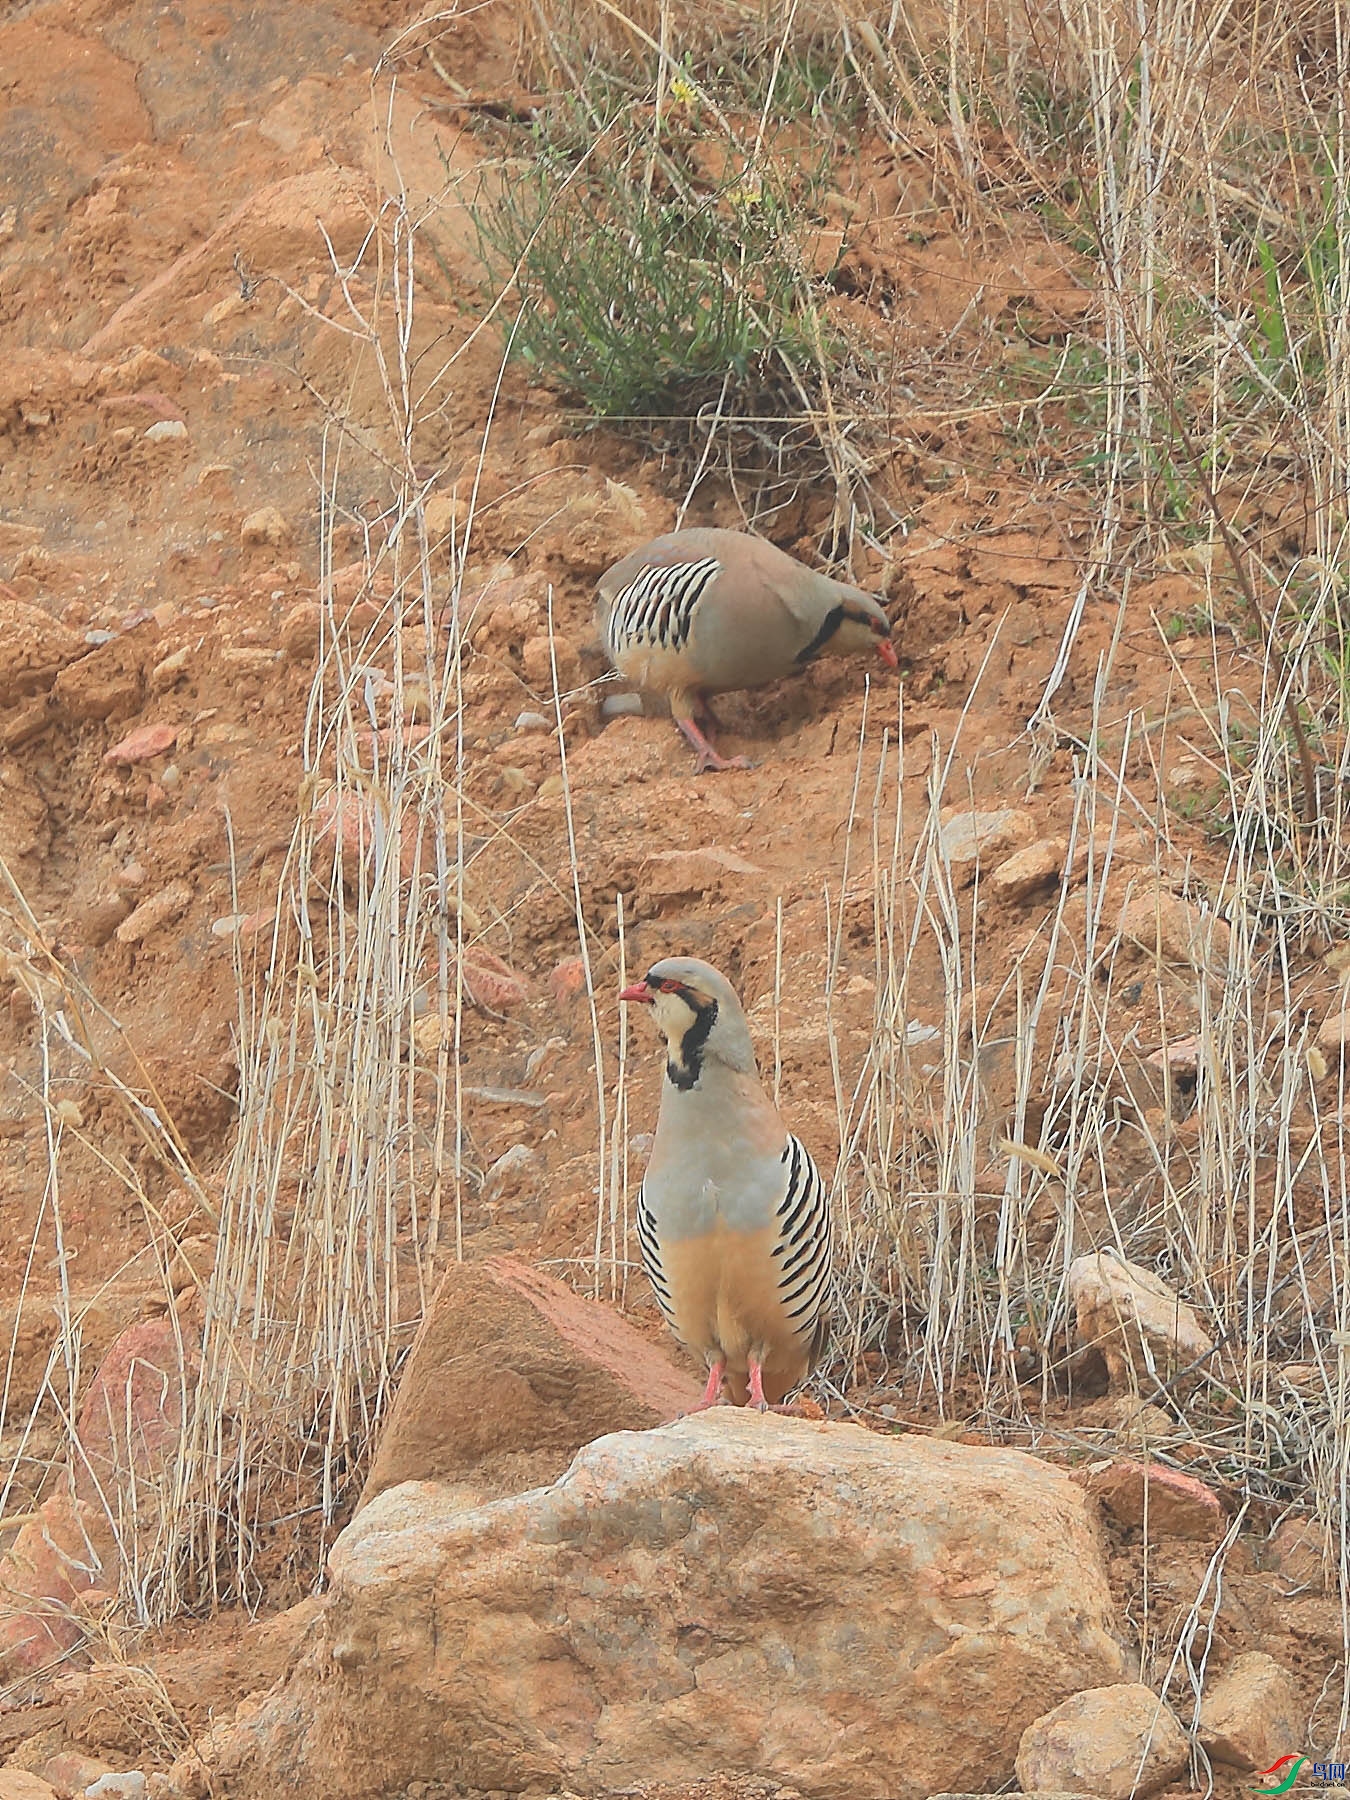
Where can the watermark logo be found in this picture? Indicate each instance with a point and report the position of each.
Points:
(1283, 1774)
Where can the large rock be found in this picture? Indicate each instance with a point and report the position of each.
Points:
(510, 1374)
(849, 1614)
(1145, 1331)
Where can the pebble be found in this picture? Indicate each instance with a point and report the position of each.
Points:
(1027, 872)
(1170, 1503)
(266, 526)
(96, 639)
(508, 1169)
(128, 1785)
(165, 673)
(160, 909)
(620, 706)
(533, 721)
(966, 836)
(164, 431)
(1176, 930)
(143, 743)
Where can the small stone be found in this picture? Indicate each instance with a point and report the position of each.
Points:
(533, 721)
(21, 1784)
(143, 743)
(70, 1771)
(224, 309)
(164, 431)
(166, 673)
(1138, 1323)
(1029, 872)
(621, 706)
(1118, 1743)
(1176, 930)
(537, 657)
(1251, 1714)
(246, 657)
(266, 526)
(445, 515)
(130, 1785)
(1181, 1058)
(1170, 1503)
(192, 1262)
(509, 1170)
(33, 648)
(300, 629)
(1299, 1550)
(965, 837)
(97, 639)
(489, 982)
(160, 909)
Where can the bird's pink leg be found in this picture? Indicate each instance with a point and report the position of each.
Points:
(708, 757)
(757, 1386)
(712, 1393)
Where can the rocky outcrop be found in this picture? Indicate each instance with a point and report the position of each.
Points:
(848, 1614)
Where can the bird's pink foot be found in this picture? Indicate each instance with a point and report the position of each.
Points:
(711, 1394)
(707, 757)
(757, 1399)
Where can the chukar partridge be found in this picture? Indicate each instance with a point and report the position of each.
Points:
(733, 1218)
(702, 612)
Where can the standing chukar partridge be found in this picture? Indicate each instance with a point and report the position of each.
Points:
(702, 612)
(733, 1218)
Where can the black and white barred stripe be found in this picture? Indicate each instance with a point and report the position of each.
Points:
(802, 1250)
(803, 1247)
(650, 1246)
(657, 606)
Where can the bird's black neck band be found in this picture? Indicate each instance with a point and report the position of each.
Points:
(685, 1067)
(831, 623)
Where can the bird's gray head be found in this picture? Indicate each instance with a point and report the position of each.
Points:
(855, 621)
(698, 1014)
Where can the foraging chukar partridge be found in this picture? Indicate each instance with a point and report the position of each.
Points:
(702, 612)
(733, 1218)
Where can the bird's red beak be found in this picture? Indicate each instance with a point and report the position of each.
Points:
(886, 651)
(639, 991)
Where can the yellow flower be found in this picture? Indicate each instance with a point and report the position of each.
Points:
(682, 90)
(747, 194)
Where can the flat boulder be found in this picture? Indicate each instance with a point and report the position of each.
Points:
(847, 1614)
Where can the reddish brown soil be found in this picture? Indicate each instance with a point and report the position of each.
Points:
(162, 262)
